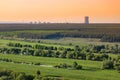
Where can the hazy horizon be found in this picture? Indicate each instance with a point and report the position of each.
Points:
(60, 11)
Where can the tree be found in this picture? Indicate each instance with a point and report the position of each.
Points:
(56, 54)
(118, 68)
(89, 56)
(29, 77)
(108, 64)
(79, 67)
(70, 55)
(77, 48)
(117, 64)
(75, 64)
(21, 76)
(63, 54)
(37, 53)
(38, 72)
(116, 48)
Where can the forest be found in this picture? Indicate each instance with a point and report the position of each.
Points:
(105, 32)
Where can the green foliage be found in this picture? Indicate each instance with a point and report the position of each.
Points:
(90, 68)
(82, 53)
(118, 68)
(38, 73)
(108, 64)
(79, 67)
(109, 34)
(38, 63)
(23, 63)
(10, 75)
(117, 64)
(76, 66)
(21, 76)
(90, 56)
(64, 66)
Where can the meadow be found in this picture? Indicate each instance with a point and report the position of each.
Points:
(91, 69)
(30, 47)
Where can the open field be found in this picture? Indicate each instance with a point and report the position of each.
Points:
(91, 69)
(63, 42)
(3, 43)
(22, 46)
(77, 41)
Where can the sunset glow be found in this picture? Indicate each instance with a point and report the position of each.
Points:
(60, 10)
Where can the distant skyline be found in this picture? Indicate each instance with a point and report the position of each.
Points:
(99, 11)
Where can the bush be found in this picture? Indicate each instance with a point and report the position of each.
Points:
(118, 68)
(38, 72)
(76, 66)
(5, 73)
(108, 64)
(21, 76)
(37, 63)
(29, 77)
(64, 65)
(79, 67)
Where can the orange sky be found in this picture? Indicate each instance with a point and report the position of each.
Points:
(60, 10)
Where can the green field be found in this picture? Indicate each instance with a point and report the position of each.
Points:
(59, 42)
(91, 69)
(3, 43)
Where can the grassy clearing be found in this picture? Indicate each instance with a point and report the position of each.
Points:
(3, 43)
(91, 69)
(78, 41)
(49, 61)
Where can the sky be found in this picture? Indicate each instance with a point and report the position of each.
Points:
(99, 11)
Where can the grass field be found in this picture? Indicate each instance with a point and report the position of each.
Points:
(91, 69)
(77, 41)
(3, 43)
(60, 42)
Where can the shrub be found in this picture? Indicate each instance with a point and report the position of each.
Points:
(21, 76)
(118, 68)
(38, 72)
(108, 64)
(76, 66)
(38, 63)
(79, 67)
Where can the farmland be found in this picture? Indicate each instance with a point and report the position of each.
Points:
(68, 51)
(90, 68)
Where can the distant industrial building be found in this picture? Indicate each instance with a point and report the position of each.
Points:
(86, 19)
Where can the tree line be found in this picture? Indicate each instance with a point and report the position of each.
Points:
(74, 66)
(105, 34)
(90, 52)
(12, 75)
(112, 64)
